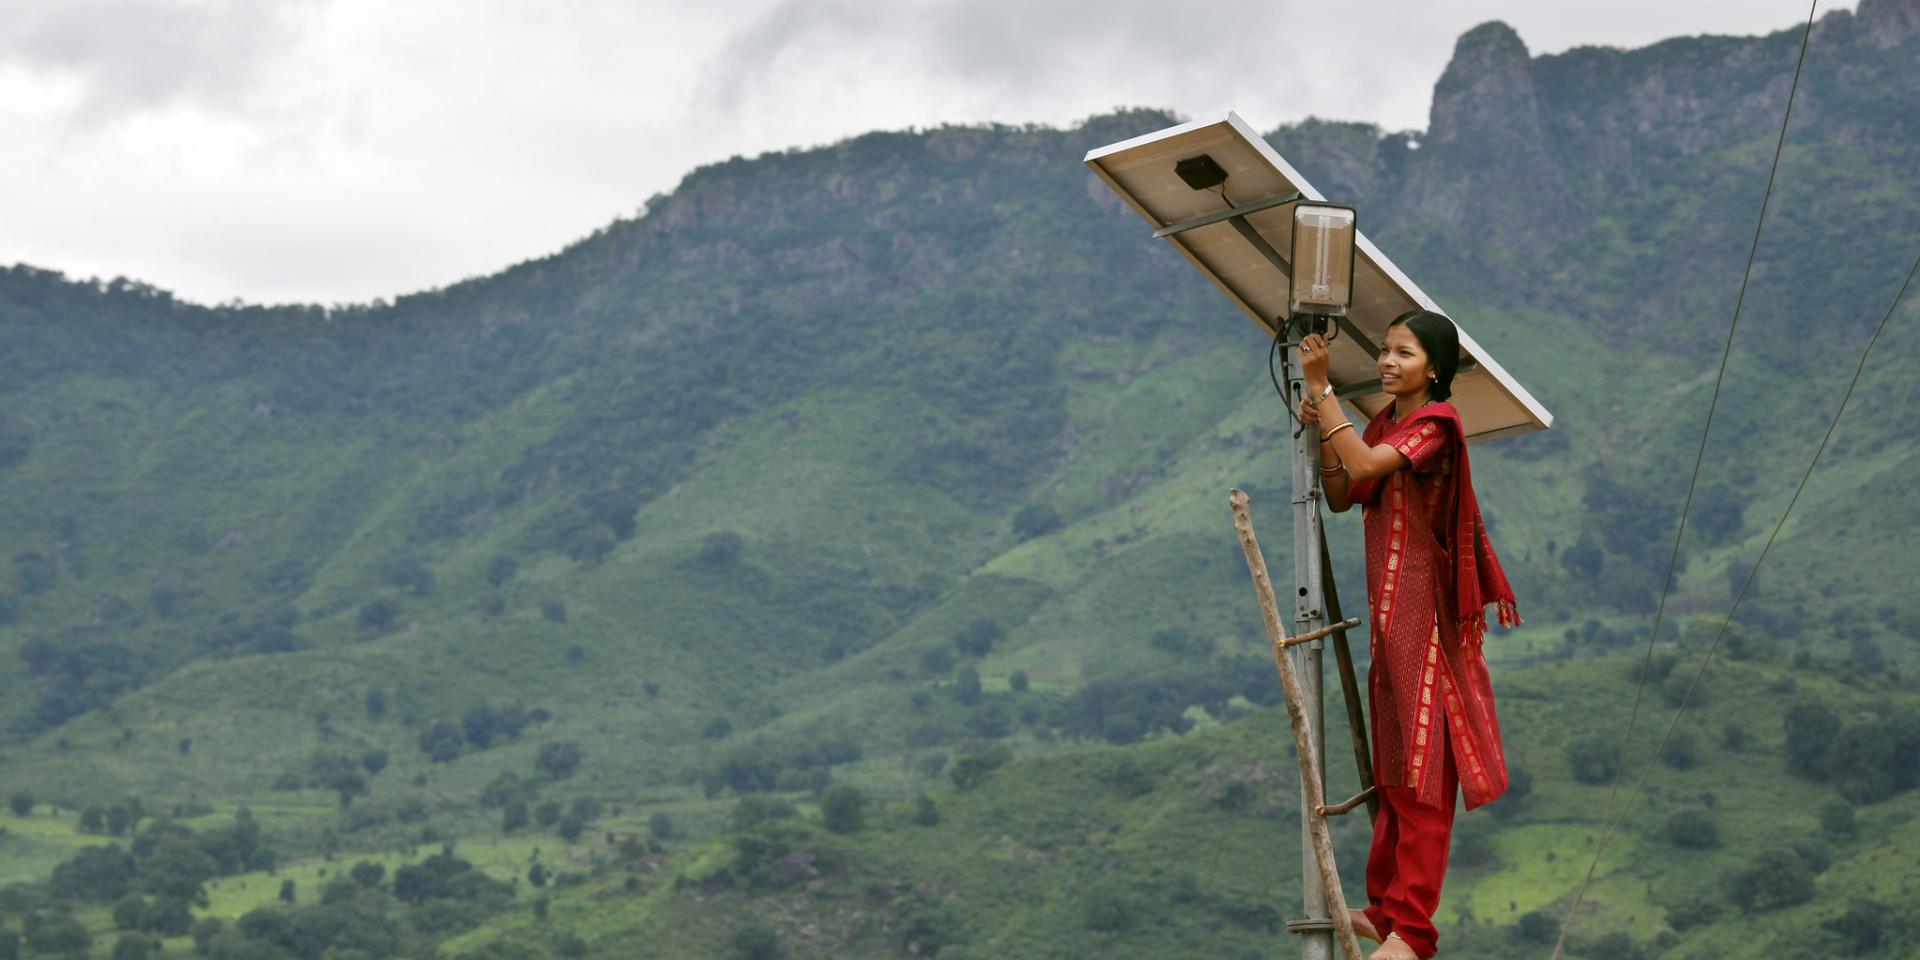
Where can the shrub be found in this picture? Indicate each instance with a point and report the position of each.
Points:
(1036, 520)
(1679, 751)
(926, 812)
(977, 638)
(842, 808)
(1774, 879)
(380, 613)
(1836, 818)
(721, 550)
(966, 686)
(1810, 731)
(1591, 759)
(558, 759)
(1862, 760)
(1693, 830)
(756, 942)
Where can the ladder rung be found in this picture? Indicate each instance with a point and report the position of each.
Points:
(1312, 635)
(1346, 806)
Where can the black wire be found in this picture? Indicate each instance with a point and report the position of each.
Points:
(1746, 584)
(1666, 582)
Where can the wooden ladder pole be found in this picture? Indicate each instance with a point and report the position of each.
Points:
(1297, 716)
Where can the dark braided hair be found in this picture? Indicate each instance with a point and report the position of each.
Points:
(1441, 340)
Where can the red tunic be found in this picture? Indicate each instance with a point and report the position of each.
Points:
(1428, 684)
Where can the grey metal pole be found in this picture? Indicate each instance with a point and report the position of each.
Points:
(1315, 928)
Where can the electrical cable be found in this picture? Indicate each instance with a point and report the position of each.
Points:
(1746, 584)
(1666, 582)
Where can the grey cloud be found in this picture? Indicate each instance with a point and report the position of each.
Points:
(133, 55)
(1011, 44)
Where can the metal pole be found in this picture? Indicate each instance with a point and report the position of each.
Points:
(1315, 928)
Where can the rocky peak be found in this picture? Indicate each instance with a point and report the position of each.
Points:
(1888, 23)
(1487, 90)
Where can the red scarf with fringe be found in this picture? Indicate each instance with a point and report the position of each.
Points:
(1476, 576)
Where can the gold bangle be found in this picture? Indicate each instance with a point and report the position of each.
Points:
(1334, 470)
(1328, 436)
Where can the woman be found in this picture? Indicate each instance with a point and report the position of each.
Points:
(1430, 572)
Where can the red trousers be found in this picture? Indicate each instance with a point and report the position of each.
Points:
(1408, 860)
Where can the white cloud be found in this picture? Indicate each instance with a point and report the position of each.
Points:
(339, 150)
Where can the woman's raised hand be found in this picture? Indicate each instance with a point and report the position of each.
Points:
(1313, 360)
(1309, 411)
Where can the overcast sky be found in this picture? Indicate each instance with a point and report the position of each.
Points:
(334, 151)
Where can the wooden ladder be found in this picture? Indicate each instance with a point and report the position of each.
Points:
(1317, 809)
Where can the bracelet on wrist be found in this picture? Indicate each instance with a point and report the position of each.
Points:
(1328, 436)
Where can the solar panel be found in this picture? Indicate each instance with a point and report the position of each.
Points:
(1238, 233)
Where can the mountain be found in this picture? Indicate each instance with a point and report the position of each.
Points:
(897, 467)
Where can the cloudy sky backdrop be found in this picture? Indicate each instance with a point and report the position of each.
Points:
(335, 151)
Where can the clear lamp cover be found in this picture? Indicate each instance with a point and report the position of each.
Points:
(1322, 281)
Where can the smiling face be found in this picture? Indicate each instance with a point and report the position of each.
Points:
(1404, 371)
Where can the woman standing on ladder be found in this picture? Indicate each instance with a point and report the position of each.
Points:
(1430, 573)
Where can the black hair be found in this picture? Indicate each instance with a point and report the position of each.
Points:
(1441, 340)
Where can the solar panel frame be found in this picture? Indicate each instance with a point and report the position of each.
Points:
(1259, 182)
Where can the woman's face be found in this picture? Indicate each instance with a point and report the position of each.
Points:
(1403, 364)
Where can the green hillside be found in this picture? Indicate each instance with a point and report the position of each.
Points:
(686, 561)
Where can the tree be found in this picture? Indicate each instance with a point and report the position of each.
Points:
(501, 569)
(977, 638)
(169, 918)
(721, 550)
(479, 726)
(379, 614)
(1810, 731)
(373, 761)
(130, 912)
(1776, 878)
(21, 803)
(547, 814)
(558, 759)
(1036, 520)
(514, 817)
(756, 942)
(537, 875)
(925, 811)
(1862, 926)
(1679, 751)
(95, 874)
(288, 892)
(660, 825)
(1836, 818)
(1861, 762)
(1693, 830)
(571, 826)
(441, 741)
(1018, 680)
(376, 703)
(367, 873)
(966, 686)
(1591, 759)
(59, 935)
(842, 808)
(134, 947)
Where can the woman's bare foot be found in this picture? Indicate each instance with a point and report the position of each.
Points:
(1393, 948)
(1362, 927)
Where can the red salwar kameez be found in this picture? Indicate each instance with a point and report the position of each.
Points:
(1430, 572)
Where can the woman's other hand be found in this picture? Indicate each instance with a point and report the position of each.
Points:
(1309, 411)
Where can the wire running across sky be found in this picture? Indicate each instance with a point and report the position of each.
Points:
(1615, 815)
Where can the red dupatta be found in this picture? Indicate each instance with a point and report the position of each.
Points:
(1476, 576)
